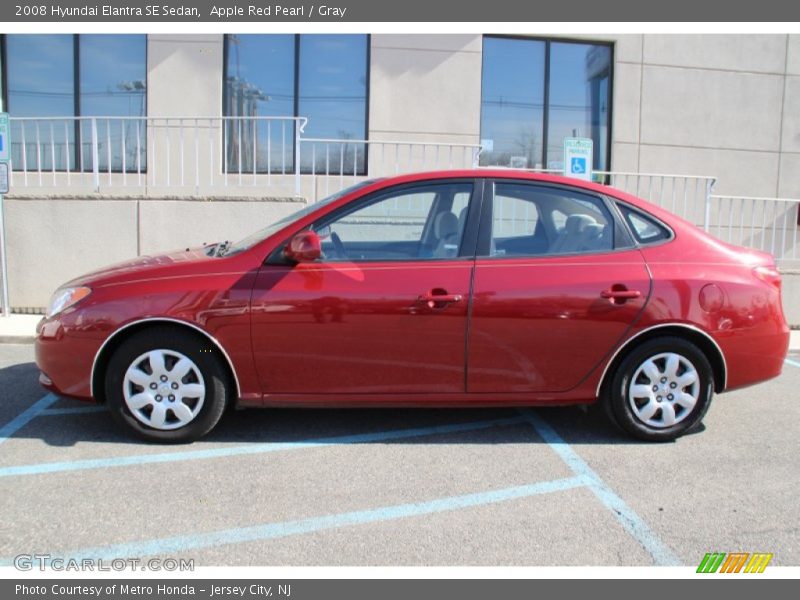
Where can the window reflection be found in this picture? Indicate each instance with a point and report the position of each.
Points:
(527, 110)
(512, 104)
(113, 82)
(259, 81)
(333, 95)
(41, 82)
(579, 76)
(40, 73)
(261, 76)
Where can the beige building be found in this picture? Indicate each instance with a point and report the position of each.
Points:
(138, 144)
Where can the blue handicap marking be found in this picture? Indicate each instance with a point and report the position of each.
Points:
(578, 165)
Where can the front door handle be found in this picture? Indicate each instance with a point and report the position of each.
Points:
(439, 298)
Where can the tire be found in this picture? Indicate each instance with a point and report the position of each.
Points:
(660, 390)
(180, 405)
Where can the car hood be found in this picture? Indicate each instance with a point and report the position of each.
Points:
(147, 266)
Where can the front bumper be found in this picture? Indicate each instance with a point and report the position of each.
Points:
(65, 356)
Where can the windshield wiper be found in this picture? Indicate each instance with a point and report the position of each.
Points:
(222, 248)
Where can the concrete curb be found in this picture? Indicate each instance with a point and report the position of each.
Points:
(18, 329)
(17, 339)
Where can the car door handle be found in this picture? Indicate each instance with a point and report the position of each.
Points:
(430, 297)
(620, 294)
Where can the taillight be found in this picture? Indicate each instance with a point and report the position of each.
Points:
(769, 275)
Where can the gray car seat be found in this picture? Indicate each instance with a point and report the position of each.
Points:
(572, 237)
(446, 230)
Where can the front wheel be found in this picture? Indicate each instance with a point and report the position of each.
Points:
(660, 390)
(166, 386)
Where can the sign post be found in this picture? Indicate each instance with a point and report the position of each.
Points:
(5, 155)
(578, 154)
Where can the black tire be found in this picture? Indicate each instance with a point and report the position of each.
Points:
(193, 347)
(620, 407)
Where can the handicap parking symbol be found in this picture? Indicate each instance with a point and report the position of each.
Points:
(578, 165)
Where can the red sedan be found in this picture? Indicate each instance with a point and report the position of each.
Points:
(460, 288)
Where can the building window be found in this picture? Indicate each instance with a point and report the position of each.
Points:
(321, 77)
(113, 76)
(58, 82)
(535, 93)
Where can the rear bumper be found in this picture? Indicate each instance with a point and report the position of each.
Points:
(753, 356)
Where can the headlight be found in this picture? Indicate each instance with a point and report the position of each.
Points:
(66, 297)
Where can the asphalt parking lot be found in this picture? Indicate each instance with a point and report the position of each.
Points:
(399, 487)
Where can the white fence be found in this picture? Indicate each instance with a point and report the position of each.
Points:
(768, 224)
(340, 163)
(259, 156)
(140, 155)
(205, 155)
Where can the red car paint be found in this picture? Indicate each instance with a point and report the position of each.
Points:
(538, 330)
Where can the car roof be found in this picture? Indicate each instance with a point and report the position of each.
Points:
(493, 173)
(506, 173)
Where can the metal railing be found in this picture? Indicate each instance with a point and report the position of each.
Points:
(206, 155)
(225, 156)
(768, 224)
(184, 154)
(343, 162)
(683, 195)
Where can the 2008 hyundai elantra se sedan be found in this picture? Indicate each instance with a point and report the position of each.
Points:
(459, 288)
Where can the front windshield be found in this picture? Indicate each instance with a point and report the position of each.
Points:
(252, 239)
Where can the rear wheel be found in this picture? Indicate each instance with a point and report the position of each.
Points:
(164, 385)
(660, 390)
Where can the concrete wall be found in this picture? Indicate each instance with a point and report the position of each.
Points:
(52, 240)
(425, 87)
(723, 105)
(184, 75)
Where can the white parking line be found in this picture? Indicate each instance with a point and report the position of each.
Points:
(26, 416)
(72, 410)
(254, 448)
(633, 523)
(269, 531)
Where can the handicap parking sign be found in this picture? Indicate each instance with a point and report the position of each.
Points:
(578, 165)
(578, 158)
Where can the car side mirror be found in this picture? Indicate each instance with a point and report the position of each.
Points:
(303, 247)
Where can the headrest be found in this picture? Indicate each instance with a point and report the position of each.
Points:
(593, 231)
(446, 224)
(462, 218)
(577, 223)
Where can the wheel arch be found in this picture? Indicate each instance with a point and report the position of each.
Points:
(690, 333)
(116, 339)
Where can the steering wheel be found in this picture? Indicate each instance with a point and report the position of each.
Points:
(338, 245)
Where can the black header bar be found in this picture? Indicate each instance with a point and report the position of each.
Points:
(350, 11)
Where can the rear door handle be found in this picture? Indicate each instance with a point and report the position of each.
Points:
(620, 294)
